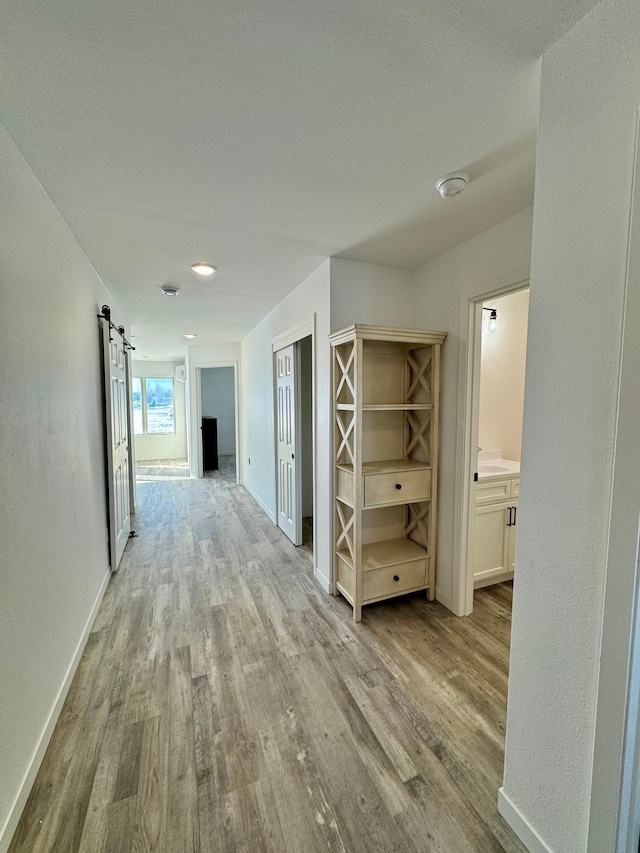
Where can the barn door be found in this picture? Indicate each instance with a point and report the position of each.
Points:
(288, 477)
(117, 435)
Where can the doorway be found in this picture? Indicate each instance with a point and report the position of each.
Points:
(496, 372)
(218, 427)
(293, 355)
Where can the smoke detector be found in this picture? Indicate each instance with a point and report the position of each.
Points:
(170, 290)
(452, 184)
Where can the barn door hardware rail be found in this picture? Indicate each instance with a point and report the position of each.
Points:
(106, 315)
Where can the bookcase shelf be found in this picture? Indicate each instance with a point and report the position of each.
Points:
(386, 387)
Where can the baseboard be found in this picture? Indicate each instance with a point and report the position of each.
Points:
(491, 577)
(520, 825)
(7, 831)
(262, 506)
(324, 581)
(444, 599)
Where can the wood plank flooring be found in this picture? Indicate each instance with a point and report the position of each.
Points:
(226, 704)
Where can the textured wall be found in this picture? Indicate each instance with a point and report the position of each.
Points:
(368, 293)
(53, 514)
(589, 103)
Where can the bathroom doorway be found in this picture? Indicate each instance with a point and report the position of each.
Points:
(496, 373)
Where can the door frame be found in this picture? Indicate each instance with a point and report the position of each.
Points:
(284, 339)
(133, 494)
(195, 457)
(615, 780)
(469, 427)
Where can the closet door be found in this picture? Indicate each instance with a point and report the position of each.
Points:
(287, 431)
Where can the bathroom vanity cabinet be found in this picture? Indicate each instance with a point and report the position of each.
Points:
(494, 539)
(386, 388)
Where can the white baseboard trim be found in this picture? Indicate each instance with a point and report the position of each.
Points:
(520, 825)
(7, 831)
(262, 506)
(324, 581)
(444, 599)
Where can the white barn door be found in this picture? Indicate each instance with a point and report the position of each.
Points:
(117, 429)
(288, 476)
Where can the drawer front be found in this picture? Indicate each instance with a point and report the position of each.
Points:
(515, 488)
(397, 488)
(382, 583)
(492, 492)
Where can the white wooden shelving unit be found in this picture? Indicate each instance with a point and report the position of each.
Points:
(386, 388)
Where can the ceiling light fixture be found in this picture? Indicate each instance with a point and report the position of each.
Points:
(452, 184)
(170, 290)
(190, 335)
(203, 269)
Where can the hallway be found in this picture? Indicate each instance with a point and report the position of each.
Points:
(226, 703)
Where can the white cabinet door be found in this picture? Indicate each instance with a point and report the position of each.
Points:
(513, 532)
(288, 485)
(493, 543)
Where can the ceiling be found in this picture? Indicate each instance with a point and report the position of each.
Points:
(264, 136)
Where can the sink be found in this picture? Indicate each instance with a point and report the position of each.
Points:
(493, 466)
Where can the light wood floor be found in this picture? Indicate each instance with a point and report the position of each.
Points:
(226, 704)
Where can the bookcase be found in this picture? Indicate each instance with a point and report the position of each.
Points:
(386, 389)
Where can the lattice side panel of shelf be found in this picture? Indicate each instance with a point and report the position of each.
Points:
(418, 375)
(345, 373)
(345, 530)
(345, 438)
(417, 436)
(416, 523)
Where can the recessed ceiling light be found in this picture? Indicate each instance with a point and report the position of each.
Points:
(203, 269)
(190, 335)
(169, 290)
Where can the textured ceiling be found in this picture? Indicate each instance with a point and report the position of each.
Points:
(266, 136)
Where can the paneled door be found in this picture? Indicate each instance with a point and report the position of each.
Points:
(117, 426)
(288, 474)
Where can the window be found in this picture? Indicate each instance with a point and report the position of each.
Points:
(152, 406)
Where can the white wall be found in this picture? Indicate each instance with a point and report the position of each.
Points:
(443, 287)
(310, 298)
(220, 354)
(53, 514)
(171, 445)
(219, 401)
(368, 293)
(338, 293)
(502, 368)
(589, 102)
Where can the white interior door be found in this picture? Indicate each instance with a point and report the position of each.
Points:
(288, 477)
(117, 423)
